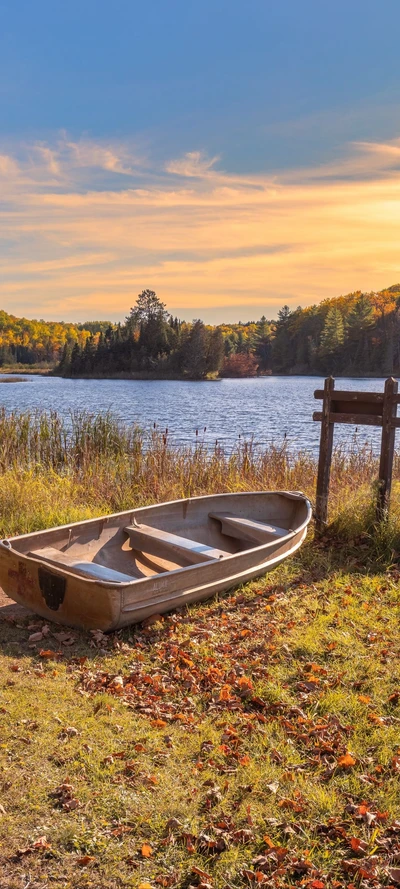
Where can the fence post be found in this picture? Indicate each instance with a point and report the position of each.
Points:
(325, 458)
(387, 448)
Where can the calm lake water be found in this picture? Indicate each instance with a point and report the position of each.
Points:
(267, 409)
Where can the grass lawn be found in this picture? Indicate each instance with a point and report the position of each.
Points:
(250, 741)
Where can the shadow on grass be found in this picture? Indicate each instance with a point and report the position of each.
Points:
(371, 549)
(353, 548)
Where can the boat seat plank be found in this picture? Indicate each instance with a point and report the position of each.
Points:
(248, 529)
(53, 556)
(163, 543)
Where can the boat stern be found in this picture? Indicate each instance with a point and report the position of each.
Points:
(58, 595)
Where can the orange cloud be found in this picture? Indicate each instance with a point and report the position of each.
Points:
(86, 226)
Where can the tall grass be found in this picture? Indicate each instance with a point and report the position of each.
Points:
(55, 470)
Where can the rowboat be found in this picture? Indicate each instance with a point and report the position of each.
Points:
(108, 572)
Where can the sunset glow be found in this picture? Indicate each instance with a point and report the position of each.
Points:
(91, 225)
(232, 156)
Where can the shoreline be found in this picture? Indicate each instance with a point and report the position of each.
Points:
(19, 370)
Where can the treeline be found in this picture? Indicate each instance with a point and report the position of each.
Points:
(40, 342)
(357, 334)
(354, 334)
(153, 342)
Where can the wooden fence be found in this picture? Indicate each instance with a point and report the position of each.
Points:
(357, 409)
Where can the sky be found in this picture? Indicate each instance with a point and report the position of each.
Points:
(233, 156)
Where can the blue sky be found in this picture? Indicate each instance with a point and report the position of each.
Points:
(247, 89)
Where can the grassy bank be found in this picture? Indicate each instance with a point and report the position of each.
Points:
(42, 369)
(249, 741)
(54, 470)
(252, 740)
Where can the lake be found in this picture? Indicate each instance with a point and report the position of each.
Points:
(265, 408)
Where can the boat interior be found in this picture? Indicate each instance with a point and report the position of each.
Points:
(127, 546)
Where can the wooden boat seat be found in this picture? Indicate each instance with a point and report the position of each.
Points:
(53, 556)
(248, 529)
(166, 545)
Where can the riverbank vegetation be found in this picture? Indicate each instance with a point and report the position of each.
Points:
(56, 469)
(250, 740)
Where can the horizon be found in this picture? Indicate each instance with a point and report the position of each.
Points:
(250, 160)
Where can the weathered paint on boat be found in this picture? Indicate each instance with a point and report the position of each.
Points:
(62, 593)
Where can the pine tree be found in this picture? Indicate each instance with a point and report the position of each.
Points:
(75, 363)
(359, 323)
(262, 344)
(65, 361)
(282, 351)
(333, 333)
(196, 351)
(215, 351)
(148, 307)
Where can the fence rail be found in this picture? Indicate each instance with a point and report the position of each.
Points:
(357, 409)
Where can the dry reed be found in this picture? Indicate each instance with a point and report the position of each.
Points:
(56, 469)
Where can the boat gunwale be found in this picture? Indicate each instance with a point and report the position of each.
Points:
(6, 543)
(232, 580)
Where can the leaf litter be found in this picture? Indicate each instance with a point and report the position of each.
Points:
(237, 667)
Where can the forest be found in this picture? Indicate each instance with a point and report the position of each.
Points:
(40, 343)
(355, 334)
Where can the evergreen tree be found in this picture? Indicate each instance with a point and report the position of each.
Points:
(147, 307)
(282, 352)
(215, 351)
(262, 344)
(75, 364)
(357, 333)
(88, 356)
(359, 322)
(196, 352)
(65, 361)
(332, 336)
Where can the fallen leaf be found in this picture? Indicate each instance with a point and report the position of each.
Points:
(119, 831)
(146, 851)
(41, 843)
(63, 638)
(358, 845)
(201, 873)
(347, 761)
(48, 653)
(274, 787)
(365, 699)
(85, 859)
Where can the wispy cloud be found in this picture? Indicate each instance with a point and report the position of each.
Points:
(193, 164)
(84, 226)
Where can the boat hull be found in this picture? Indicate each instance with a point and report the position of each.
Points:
(59, 595)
